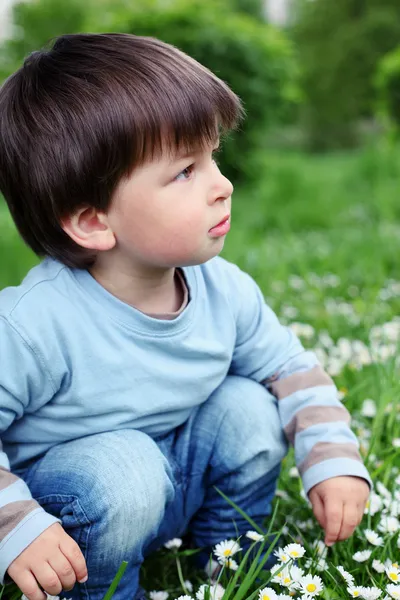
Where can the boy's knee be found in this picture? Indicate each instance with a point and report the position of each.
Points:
(120, 478)
(250, 417)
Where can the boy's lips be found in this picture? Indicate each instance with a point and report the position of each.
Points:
(221, 228)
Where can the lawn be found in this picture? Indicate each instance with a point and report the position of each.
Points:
(321, 235)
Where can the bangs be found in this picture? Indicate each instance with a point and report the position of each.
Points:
(174, 106)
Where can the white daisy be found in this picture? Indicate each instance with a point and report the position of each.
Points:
(283, 577)
(216, 591)
(158, 595)
(185, 597)
(378, 566)
(284, 597)
(355, 591)
(311, 585)
(281, 555)
(362, 555)
(188, 585)
(267, 593)
(371, 593)
(226, 549)
(231, 563)
(294, 550)
(256, 537)
(320, 547)
(173, 544)
(389, 524)
(374, 504)
(373, 538)
(349, 579)
(393, 573)
(393, 590)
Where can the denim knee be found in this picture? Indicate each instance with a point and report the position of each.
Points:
(250, 424)
(118, 480)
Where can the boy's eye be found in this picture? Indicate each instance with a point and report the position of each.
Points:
(185, 173)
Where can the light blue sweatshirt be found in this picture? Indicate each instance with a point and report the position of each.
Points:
(76, 361)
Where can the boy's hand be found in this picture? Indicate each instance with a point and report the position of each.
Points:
(53, 560)
(338, 505)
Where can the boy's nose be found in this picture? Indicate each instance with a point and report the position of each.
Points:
(223, 188)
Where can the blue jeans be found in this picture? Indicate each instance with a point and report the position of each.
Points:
(121, 494)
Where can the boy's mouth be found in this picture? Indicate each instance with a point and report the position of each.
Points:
(221, 228)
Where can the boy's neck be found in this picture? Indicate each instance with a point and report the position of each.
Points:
(156, 291)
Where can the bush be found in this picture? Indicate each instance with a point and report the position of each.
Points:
(252, 57)
(340, 43)
(388, 86)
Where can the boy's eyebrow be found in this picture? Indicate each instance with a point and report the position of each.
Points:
(187, 153)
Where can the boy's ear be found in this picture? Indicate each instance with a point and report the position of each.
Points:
(89, 228)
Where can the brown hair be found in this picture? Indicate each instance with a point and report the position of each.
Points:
(78, 117)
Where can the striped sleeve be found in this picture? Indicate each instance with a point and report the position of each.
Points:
(22, 379)
(315, 421)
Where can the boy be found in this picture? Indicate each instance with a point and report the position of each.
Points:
(138, 369)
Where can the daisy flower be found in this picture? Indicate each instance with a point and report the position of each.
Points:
(320, 548)
(355, 591)
(216, 591)
(173, 544)
(158, 595)
(362, 555)
(393, 590)
(226, 549)
(389, 524)
(294, 550)
(393, 573)
(371, 593)
(188, 585)
(373, 538)
(378, 566)
(267, 593)
(374, 504)
(284, 576)
(311, 585)
(185, 597)
(231, 563)
(349, 579)
(281, 555)
(256, 537)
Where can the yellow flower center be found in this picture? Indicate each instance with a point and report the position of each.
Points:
(368, 504)
(287, 580)
(227, 552)
(311, 587)
(355, 594)
(395, 566)
(265, 597)
(284, 557)
(393, 576)
(294, 553)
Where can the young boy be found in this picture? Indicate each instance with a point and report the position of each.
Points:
(138, 370)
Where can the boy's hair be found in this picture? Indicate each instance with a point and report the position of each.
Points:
(77, 118)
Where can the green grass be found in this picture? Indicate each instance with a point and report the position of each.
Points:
(310, 216)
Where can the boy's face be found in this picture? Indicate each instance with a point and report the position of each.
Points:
(167, 212)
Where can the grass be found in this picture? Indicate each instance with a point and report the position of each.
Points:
(321, 235)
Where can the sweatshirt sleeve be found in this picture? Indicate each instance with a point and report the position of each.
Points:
(314, 420)
(21, 378)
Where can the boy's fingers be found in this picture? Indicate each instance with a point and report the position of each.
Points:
(333, 520)
(350, 521)
(73, 553)
(48, 579)
(318, 509)
(66, 574)
(28, 586)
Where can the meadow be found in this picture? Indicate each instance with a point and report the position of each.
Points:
(321, 235)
